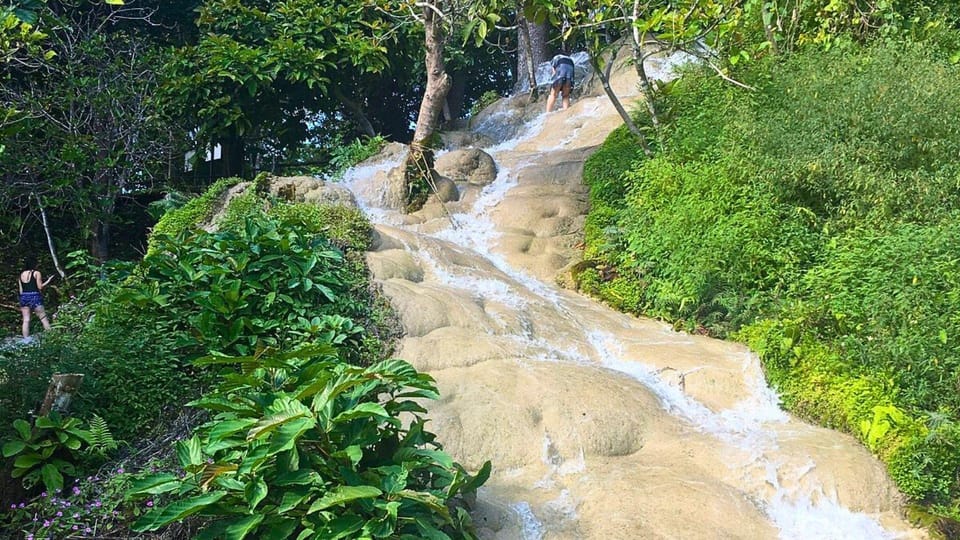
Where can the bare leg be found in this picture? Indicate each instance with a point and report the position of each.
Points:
(43, 317)
(25, 311)
(551, 99)
(566, 96)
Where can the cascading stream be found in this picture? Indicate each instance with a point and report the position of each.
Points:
(599, 425)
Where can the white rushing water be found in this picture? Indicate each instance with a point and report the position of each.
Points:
(748, 428)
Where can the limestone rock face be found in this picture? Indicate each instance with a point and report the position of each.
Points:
(310, 190)
(447, 189)
(453, 140)
(471, 165)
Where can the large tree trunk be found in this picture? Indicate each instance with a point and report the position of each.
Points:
(418, 171)
(232, 157)
(354, 107)
(458, 89)
(100, 246)
(533, 50)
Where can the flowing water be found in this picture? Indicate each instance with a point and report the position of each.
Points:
(599, 425)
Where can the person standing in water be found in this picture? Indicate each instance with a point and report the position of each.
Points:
(30, 283)
(562, 83)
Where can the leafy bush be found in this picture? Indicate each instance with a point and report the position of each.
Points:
(236, 291)
(302, 444)
(485, 100)
(345, 226)
(816, 220)
(343, 156)
(46, 451)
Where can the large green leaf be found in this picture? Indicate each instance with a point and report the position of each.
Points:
(225, 428)
(189, 452)
(26, 461)
(340, 527)
(290, 411)
(51, 477)
(23, 428)
(240, 528)
(154, 484)
(12, 448)
(255, 492)
(363, 410)
(176, 511)
(344, 494)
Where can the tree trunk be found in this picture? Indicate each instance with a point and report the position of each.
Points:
(231, 163)
(532, 51)
(60, 392)
(458, 89)
(646, 89)
(363, 123)
(418, 172)
(605, 81)
(49, 235)
(100, 246)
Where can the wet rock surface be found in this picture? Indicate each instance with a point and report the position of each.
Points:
(599, 425)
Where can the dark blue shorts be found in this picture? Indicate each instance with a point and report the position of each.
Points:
(31, 300)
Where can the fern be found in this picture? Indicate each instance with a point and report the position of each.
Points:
(101, 440)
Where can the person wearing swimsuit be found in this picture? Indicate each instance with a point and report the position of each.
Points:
(30, 283)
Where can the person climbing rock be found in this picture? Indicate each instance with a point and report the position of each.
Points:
(30, 283)
(562, 83)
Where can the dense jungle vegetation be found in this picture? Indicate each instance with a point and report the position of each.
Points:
(813, 217)
(799, 194)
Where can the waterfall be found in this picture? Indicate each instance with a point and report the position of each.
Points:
(599, 424)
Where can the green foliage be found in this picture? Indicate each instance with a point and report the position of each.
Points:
(814, 219)
(130, 358)
(240, 290)
(485, 100)
(88, 507)
(240, 209)
(345, 226)
(47, 451)
(192, 214)
(254, 70)
(302, 444)
(346, 155)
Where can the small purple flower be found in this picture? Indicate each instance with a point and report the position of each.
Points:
(59, 514)
(149, 504)
(30, 536)
(75, 516)
(120, 470)
(46, 523)
(74, 527)
(21, 505)
(97, 503)
(13, 506)
(88, 530)
(44, 494)
(76, 490)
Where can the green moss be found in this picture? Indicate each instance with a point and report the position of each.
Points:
(242, 207)
(190, 215)
(346, 226)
